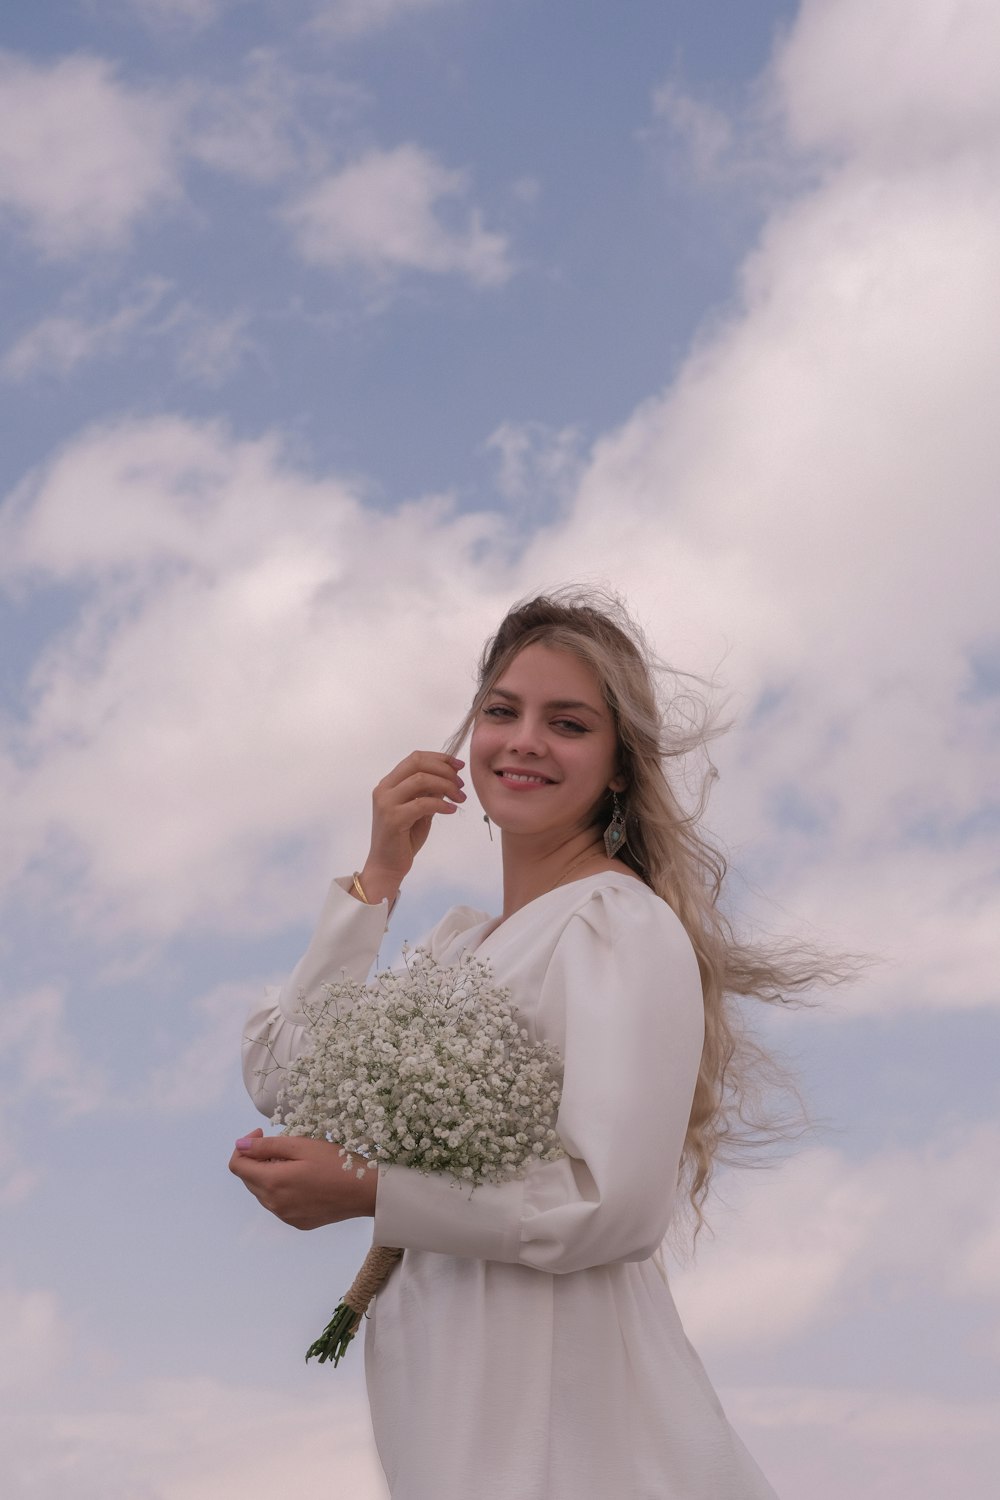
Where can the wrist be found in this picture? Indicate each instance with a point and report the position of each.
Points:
(365, 1190)
(377, 884)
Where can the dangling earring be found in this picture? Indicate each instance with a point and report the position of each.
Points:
(615, 837)
(489, 825)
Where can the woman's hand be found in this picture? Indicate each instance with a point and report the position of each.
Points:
(303, 1181)
(404, 805)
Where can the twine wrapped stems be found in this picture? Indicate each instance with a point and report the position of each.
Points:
(338, 1333)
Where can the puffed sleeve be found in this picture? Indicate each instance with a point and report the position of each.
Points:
(625, 979)
(344, 945)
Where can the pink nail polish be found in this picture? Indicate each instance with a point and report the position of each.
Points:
(244, 1143)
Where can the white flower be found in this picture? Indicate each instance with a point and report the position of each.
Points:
(429, 1066)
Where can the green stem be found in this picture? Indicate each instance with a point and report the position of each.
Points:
(338, 1333)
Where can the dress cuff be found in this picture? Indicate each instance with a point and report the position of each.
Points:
(434, 1211)
(344, 946)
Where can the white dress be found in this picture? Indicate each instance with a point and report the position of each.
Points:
(527, 1346)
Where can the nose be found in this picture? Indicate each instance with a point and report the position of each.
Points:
(526, 736)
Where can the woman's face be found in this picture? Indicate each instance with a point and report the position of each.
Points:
(544, 751)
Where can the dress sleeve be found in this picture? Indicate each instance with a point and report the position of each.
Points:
(345, 944)
(626, 979)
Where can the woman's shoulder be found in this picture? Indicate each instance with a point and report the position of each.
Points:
(624, 909)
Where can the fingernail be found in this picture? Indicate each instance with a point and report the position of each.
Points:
(244, 1143)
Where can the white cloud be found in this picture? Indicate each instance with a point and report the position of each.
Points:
(881, 1444)
(813, 501)
(538, 464)
(210, 349)
(221, 694)
(188, 13)
(255, 128)
(85, 155)
(40, 1056)
(706, 132)
(61, 342)
(17, 1178)
(797, 1248)
(880, 1415)
(197, 1078)
(884, 83)
(383, 213)
(785, 1248)
(206, 348)
(192, 1439)
(33, 1339)
(82, 155)
(355, 18)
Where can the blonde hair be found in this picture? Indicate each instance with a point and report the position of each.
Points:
(674, 856)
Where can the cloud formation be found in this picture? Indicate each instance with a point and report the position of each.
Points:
(188, 13)
(384, 214)
(812, 500)
(865, 1440)
(188, 1439)
(83, 155)
(62, 341)
(32, 1338)
(41, 1060)
(255, 128)
(794, 1248)
(890, 88)
(357, 18)
(220, 653)
(206, 349)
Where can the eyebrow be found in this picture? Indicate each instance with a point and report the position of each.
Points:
(553, 703)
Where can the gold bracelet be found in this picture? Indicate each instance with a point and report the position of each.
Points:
(356, 882)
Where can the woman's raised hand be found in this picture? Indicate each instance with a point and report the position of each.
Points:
(404, 805)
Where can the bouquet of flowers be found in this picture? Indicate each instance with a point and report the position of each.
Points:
(426, 1067)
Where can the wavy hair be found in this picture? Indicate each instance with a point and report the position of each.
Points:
(669, 850)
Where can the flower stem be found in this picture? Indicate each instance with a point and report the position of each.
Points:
(333, 1341)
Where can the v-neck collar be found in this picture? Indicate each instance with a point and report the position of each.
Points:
(494, 925)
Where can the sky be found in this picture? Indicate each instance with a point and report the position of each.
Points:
(329, 329)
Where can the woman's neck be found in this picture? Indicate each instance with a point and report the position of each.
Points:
(530, 867)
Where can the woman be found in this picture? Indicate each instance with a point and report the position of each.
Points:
(527, 1346)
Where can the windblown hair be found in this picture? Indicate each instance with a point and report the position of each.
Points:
(669, 850)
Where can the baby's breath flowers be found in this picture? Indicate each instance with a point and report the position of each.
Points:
(427, 1067)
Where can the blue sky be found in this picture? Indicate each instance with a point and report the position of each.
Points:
(329, 330)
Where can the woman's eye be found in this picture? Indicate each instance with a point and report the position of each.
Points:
(505, 711)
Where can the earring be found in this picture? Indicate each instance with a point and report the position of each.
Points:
(615, 837)
(489, 825)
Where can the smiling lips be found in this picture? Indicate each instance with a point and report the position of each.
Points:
(521, 780)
